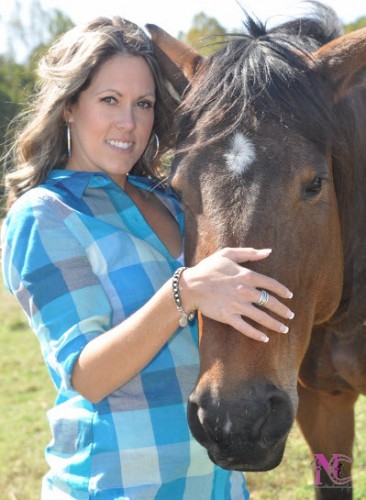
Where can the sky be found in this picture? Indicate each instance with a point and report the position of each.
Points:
(175, 16)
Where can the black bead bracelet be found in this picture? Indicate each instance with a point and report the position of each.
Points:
(184, 317)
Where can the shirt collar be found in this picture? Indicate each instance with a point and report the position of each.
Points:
(74, 181)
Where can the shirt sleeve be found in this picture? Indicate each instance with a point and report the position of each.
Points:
(48, 272)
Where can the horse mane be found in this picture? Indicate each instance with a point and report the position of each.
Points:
(264, 74)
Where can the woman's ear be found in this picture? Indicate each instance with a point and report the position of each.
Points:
(68, 115)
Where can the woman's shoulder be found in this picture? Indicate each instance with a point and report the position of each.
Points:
(40, 206)
(26, 202)
(34, 198)
(20, 228)
(55, 191)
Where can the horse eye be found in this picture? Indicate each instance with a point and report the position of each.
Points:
(315, 186)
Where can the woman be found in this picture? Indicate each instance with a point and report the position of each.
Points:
(93, 252)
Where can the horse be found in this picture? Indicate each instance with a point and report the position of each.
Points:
(271, 153)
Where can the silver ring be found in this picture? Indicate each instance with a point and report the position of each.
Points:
(263, 299)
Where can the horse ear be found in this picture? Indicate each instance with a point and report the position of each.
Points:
(178, 61)
(343, 60)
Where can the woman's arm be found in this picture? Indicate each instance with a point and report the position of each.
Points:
(47, 270)
(218, 287)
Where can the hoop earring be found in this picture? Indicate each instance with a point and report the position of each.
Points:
(157, 145)
(68, 135)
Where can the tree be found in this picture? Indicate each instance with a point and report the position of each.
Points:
(17, 79)
(206, 34)
(34, 29)
(356, 25)
(13, 82)
(16, 83)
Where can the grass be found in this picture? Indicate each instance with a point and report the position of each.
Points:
(25, 395)
(27, 392)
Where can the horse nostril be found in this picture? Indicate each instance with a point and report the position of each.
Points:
(196, 419)
(277, 404)
(206, 423)
(276, 419)
(272, 405)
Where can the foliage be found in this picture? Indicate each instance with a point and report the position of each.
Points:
(33, 29)
(16, 83)
(17, 79)
(356, 25)
(205, 35)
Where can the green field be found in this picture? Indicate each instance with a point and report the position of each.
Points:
(26, 393)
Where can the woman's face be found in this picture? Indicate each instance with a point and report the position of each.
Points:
(112, 120)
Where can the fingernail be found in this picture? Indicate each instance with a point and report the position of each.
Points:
(284, 329)
(289, 294)
(290, 314)
(264, 250)
(265, 338)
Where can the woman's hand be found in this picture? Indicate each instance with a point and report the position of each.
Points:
(225, 291)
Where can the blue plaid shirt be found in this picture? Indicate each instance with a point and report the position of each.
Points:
(80, 258)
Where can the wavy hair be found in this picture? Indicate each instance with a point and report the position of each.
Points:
(67, 69)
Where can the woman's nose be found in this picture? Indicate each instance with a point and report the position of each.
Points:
(126, 119)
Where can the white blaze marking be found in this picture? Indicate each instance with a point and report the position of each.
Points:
(241, 154)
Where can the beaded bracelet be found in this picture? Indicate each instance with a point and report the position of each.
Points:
(184, 317)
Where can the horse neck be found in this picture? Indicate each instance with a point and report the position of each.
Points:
(349, 314)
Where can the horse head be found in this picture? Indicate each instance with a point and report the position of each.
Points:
(264, 156)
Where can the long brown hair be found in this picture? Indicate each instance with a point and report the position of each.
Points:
(67, 69)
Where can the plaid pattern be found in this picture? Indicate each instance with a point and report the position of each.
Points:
(79, 257)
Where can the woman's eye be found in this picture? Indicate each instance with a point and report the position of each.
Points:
(145, 104)
(109, 100)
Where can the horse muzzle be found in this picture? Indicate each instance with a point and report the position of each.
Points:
(247, 432)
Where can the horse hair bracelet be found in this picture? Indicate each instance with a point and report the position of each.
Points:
(184, 317)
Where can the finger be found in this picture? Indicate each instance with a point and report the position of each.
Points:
(253, 295)
(261, 317)
(275, 306)
(267, 321)
(242, 254)
(259, 281)
(246, 329)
